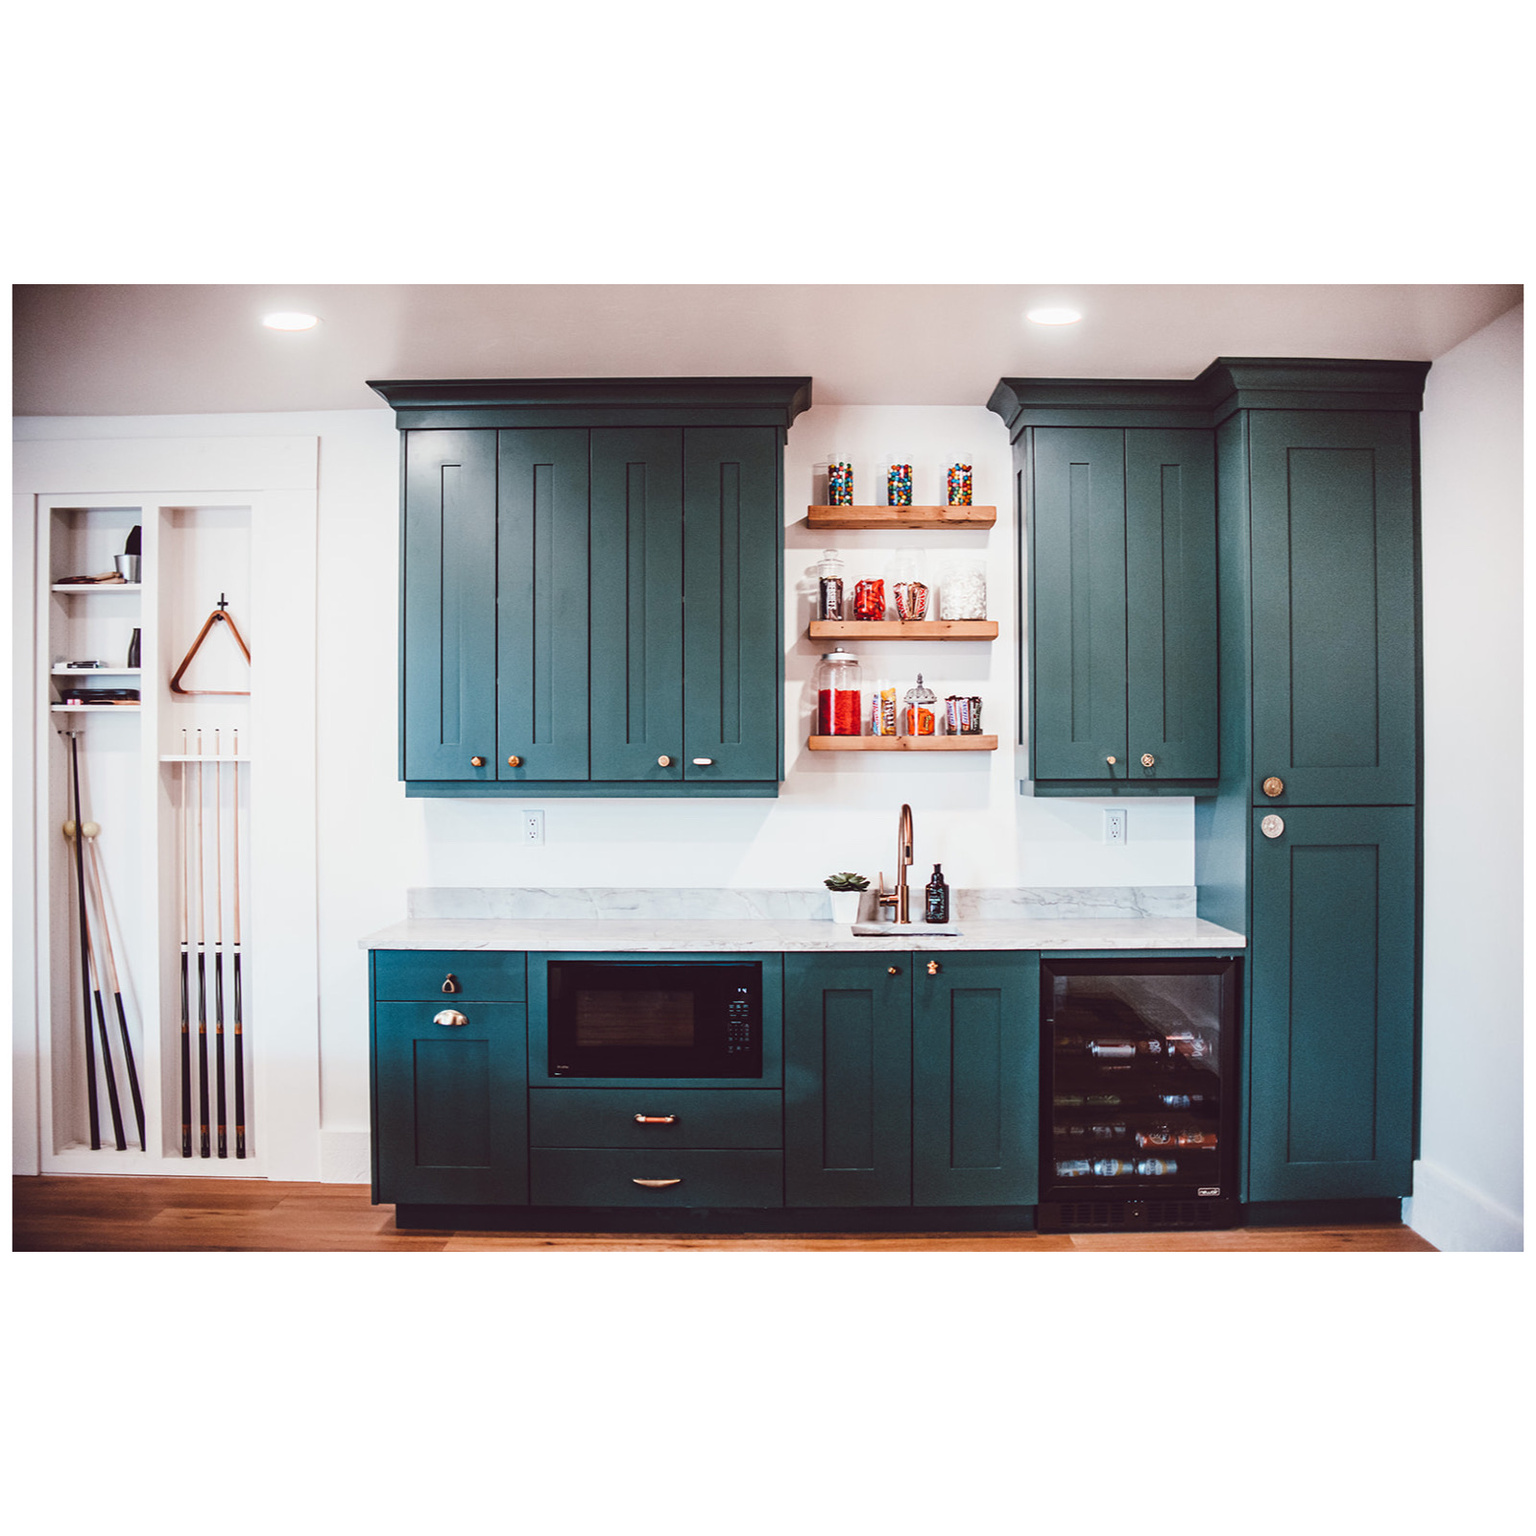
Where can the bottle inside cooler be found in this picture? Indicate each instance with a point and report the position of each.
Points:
(1136, 1057)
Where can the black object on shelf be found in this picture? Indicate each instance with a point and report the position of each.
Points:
(133, 649)
(132, 547)
(936, 898)
(99, 696)
(1138, 1120)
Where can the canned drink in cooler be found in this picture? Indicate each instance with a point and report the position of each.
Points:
(1196, 1139)
(1156, 1167)
(1159, 1136)
(1077, 1168)
(1113, 1168)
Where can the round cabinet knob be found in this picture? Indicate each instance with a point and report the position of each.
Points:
(663, 762)
(1272, 826)
(893, 970)
(450, 1018)
(933, 967)
(514, 762)
(1147, 759)
(1273, 786)
(1110, 761)
(477, 762)
(451, 984)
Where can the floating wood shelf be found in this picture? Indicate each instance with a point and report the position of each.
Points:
(98, 586)
(901, 517)
(903, 743)
(893, 629)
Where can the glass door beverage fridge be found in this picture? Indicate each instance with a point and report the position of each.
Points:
(1138, 1121)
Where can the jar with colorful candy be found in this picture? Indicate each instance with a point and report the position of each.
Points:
(957, 485)
(869, 599)
(898, 483)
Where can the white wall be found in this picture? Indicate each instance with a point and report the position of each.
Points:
(834, 811)
(1469, 1183)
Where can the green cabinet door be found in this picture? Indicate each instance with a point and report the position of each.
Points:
(1332, 962)
(450, 1104)
(732, 655)
(541, 589)
(1077, 615)
(637, 604)
(448, 621)
(1170, 561)
(1335, 635)
(975, 1079)
(847, 1079)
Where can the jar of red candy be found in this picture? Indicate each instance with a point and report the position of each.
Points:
(839, 695)
(869, 600)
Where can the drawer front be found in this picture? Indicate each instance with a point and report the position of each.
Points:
(675, 1117)
(417, 975)
(585, 1176)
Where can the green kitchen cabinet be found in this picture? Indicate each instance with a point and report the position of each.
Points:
(448, 608)
(592, 586)
(450, 1093)
(1119, 556)
(1332, 1006)
(905, 1086)
(1331, 508)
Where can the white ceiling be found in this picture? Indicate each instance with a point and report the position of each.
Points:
(152, 349)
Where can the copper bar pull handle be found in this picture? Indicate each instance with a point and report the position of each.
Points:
(655, 1183)
(655, 1119)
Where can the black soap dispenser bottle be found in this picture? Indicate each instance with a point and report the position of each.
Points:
(936, 898)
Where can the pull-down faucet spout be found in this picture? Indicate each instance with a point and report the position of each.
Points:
(900, 897)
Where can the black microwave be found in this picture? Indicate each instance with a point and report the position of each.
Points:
(628, 1018)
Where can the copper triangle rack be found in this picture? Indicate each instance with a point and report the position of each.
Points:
(218, 616)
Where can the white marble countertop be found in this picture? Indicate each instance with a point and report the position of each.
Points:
(790, 935)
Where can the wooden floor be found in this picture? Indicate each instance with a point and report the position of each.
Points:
(178, 1215)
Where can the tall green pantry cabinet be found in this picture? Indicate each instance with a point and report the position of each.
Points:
(591, 588)
(1290, 609)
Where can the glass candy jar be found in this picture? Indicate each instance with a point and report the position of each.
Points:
(829, 586)
(963, 589)
(917, 711)
(909, 593)
(869, 599)
(839, 695)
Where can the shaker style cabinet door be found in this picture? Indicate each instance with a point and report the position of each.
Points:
(450, 1104)
(732, 656)
(637, 604)
(847, 1080)
(1170, 561)
(1332, 962)
(1077, 604)
(448, 644)
(542, 578)
(976, 1079)
(1332, 497)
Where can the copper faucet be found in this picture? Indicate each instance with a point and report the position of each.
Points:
(900, 897)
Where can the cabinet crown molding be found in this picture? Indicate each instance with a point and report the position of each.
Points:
(724, 401)
(1228, 384)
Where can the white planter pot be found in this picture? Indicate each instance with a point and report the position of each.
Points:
(845, 906)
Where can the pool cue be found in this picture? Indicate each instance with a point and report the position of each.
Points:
(85, 960)
(218, 948)
(184, 850)
(203, 1147)
(239, 1039)
(98, 890)
(113, 1104)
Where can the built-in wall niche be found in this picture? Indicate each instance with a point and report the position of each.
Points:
(90, 622)
(204, 558)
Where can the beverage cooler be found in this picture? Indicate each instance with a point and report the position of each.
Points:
(1138, 1124)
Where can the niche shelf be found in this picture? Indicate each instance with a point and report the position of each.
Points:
(900, 517)
(903, 743)
(894, 629)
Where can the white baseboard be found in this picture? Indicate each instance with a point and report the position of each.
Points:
(345, 1157)
(1456, 1218)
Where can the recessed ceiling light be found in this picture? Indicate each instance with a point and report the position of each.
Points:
(1053, 316)
(289, 321)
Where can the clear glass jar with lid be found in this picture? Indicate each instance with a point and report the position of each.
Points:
(963, 588)
(839, 695)
(829, 586)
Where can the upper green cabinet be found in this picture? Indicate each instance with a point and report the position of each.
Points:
(591, 595)
(1119, 554)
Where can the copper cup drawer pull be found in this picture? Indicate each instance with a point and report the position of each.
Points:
(450, 1018)
(655, 1119)
(656, 1183)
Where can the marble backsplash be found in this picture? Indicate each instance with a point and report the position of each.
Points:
(702, 902)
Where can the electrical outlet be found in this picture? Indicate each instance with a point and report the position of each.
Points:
(533, 826)
(1114, 827)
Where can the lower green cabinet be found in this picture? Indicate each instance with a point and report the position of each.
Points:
(910, 1079)
(1331, 1034)
(450, 1103)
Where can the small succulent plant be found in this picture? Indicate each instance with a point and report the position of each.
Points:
(847, 881)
